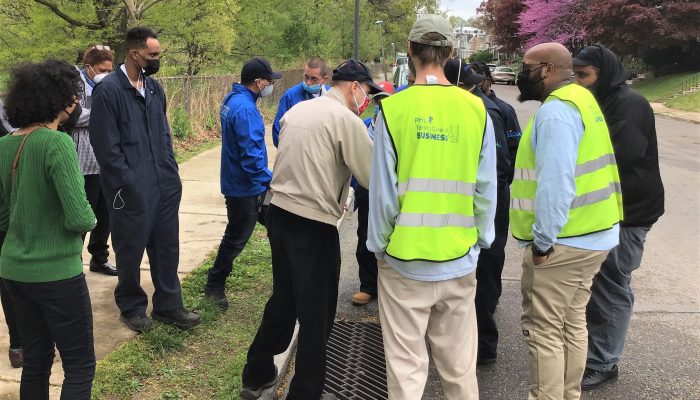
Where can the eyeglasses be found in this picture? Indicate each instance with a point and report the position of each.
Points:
(526, 66)
(101, 47)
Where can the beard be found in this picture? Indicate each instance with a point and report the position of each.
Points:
(530, 90)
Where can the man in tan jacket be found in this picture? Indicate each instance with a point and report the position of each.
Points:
(322, 142)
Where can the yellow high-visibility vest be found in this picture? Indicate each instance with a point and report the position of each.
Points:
(437, 133)
(598, 202)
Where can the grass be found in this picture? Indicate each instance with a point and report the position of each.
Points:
(656, 89)
(689, 102)
(206, 362)
(183, 154)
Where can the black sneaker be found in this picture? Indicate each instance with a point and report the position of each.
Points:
(181, 318)
(253, 393)
(217, 296)
(593, 379)
(139, 323)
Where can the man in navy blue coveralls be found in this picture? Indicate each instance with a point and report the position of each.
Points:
(130, 135)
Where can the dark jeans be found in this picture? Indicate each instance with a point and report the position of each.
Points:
(97, 246)
(366, 261)
(488, 278)
(8, 308)
(242, 215)
(55, 313)
(305, 270)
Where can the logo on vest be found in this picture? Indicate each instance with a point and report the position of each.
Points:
(426, 130)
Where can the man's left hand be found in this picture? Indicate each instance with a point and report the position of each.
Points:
(539, 260)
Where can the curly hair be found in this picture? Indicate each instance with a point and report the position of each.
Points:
(94, 56)
(38, 92)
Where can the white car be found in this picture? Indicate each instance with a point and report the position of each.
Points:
(503, 74)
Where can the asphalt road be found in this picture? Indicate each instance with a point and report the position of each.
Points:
(662, 358)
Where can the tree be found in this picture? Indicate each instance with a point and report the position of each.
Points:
(106, 12)
(551, 21)
(483, 55)
(501, 19)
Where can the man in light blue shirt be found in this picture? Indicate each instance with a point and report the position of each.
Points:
(558, 269)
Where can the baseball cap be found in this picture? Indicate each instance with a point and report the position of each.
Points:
(353, 70)
(456, 69)
(387, 89)
(591, 55)
(429, 24)
(258, 68)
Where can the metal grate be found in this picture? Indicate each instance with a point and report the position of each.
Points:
(355, 366)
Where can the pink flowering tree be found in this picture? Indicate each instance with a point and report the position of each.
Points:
(551, 21)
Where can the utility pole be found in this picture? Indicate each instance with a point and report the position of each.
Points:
(356, 49)
(380, 25)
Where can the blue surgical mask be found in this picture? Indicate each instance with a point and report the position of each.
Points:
(313, 89)
(376, 109)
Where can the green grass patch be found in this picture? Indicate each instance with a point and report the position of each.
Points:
(183, 155)
(688, 102)
(206, 362)
(656, 89)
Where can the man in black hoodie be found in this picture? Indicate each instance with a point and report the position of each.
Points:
(631, 123)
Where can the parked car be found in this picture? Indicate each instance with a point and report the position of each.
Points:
(491, 67)
(400, 70)
(503, 74)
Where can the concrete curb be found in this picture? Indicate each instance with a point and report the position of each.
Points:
(679, 115)
(282, 362)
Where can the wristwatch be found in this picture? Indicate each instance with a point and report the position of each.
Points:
(541, 253)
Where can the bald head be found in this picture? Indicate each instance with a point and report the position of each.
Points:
(549, 66)
(554, 53)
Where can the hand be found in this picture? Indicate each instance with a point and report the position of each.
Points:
(539, 260)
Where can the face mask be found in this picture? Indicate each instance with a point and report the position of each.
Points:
(313, 89)
(530, 89)
(99, 77)
(376, 109)
(361, 107)
(152, 66)
(72, 117)
(267, 91)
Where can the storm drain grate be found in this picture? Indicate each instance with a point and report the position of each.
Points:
(355, 366)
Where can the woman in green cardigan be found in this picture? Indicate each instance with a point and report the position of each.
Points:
(44, 210)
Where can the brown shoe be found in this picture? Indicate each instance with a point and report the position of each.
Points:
(362, 298)
(16, 359)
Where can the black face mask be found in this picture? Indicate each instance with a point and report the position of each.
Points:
(73, 118)
(152, 66)
(530, 89)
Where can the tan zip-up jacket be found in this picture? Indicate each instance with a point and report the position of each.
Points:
(322, 143)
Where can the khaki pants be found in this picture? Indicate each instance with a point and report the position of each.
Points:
(443, 311)
(555, 295)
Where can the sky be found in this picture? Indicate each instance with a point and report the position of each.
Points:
(461, 8)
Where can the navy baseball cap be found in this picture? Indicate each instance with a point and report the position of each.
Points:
(353, 70)
(591, 55)
(455, 69)
(258, 68)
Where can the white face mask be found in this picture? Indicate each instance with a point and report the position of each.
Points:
(267, 91)
(99, 77)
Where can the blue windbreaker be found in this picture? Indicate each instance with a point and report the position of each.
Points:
(244, 169)
(295, 94)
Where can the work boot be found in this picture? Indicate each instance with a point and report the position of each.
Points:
(252, 393)
(362, 298)
(139, 323)
(593, 379)
(181, 318)
(216, 296)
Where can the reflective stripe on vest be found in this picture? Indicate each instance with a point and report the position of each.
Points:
(598, 202)
(437, 132)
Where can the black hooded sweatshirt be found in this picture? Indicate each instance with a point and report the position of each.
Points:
(632, 129)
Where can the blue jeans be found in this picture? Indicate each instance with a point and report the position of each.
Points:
(242, 215)
(610, 308)
(55, 313)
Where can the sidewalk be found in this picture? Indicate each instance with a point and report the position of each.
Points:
(202, 223)
(687, 116)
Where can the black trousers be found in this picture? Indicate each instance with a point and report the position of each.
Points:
(144, 216)
(488, 278)
(8, 308)
(306, 270)
(366, 261)
(97, 246)
(242, 213)
(55, 313)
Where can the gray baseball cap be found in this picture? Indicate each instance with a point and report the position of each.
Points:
(428, 24)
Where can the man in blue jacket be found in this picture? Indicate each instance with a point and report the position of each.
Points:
(245, 177)
(130, 135)
(315, 83)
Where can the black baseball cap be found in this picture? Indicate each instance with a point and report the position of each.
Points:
(353, 70)
(456, 69)
(258, 68)
(591, 55)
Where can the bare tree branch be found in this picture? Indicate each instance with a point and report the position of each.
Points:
(54, 8)
(147, 4)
